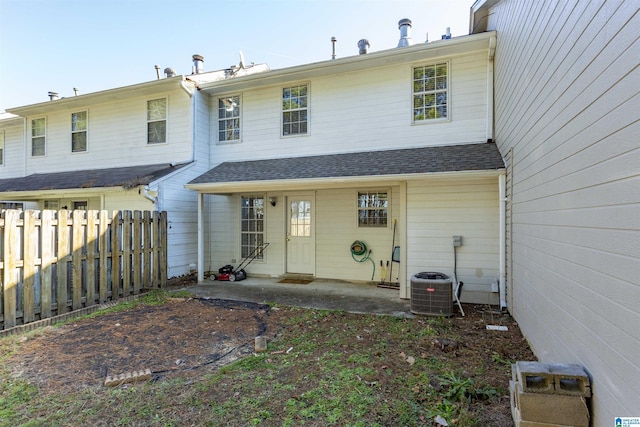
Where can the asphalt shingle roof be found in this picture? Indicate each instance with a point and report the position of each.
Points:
(126, 177)
(452, 158)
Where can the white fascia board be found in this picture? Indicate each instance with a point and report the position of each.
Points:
(418, 52)
(142, 89)
(340, 182)
(42, 194)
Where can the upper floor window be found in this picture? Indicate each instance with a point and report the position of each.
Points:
(430, 92)
(79, 132)
(1, 147)
(229, 119)
(38, 136)
(157, 121)
(373, 208)
(295, 110)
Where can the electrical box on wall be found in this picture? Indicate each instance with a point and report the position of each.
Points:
(457, 240)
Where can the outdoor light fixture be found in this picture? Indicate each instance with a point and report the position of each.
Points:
(273, 200)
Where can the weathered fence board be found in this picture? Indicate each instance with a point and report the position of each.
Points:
(52, 262)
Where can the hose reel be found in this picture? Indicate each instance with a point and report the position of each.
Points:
(360, 253)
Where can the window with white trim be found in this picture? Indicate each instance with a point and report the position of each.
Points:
(252, 226)
(79, 132)
(157, 121)
(373, 208)
(431, 92)
(1, 147)
(51, 204)
(295, 110)
(38, 136)
(229, 119)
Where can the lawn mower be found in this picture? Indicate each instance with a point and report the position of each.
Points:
(231, 274)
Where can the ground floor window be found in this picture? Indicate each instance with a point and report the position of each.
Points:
(252, 226)
(373, 208)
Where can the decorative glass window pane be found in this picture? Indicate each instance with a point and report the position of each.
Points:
(295, 102)
(430, 88)
(157, 121)
(79, 131)
(229, 118)
(373, 209)
(38, 137)
(251, 226)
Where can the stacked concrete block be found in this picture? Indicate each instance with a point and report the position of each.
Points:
(549, 395)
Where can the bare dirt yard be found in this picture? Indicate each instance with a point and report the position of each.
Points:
(321, 367)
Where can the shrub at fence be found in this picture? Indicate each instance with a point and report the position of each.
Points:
(52, 262)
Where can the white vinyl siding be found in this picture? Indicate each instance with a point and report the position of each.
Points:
(349, 115)
(567, 102)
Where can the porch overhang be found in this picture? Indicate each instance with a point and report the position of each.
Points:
(84, 181)
(350, 169)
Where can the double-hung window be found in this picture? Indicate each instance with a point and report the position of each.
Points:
(229, 119)
(431, 92)
(79, 132)
(373, 208)
(252, 226)
(157, 121)
(1, 147)
(38, 136)
(295, 110)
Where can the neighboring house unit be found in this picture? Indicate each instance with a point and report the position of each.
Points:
(129, 148)
(567, 122)
(314, 157)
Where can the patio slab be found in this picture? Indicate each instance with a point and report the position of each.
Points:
(319, 294)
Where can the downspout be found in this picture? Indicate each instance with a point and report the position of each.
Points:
(189, 90)
(503, 240)
(25, 146)
(200, 239)
(146, 195)
(490, 106)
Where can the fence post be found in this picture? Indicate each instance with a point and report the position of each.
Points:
(164, 249)
(115, 255)
(77, 247)
(137, 252)
(146, 281)
(126, 253)
(10, 279)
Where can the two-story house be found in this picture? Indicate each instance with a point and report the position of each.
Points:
(389, 148)
(128, 148)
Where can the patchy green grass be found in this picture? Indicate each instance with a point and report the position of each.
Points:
(324, 368)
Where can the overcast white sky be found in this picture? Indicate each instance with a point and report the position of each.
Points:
(56, 45)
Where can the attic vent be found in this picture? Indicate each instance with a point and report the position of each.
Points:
(405, 32)
(169, 72)
(198, 64)
(363, 45)
(53, 96)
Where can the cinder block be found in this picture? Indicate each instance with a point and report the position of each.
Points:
(551, 408)
(555, 378)
(570, 380)
(534, 377)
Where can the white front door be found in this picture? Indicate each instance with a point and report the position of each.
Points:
(301, 241)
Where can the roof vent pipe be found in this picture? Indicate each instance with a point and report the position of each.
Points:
(333, 47)
(75, 91)
(169, 72)
(447, 34)
(405, 32)
(53, 96)
(363, 45)
(198, 61)
(157, 67)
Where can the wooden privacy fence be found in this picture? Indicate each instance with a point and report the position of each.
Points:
(53, 262)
